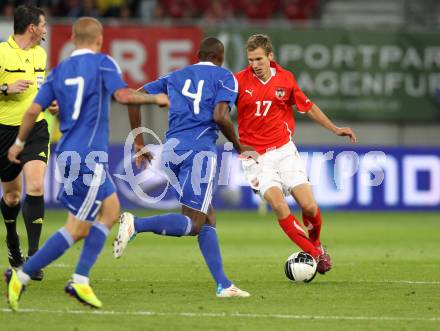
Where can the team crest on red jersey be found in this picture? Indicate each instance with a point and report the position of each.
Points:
(280, 92)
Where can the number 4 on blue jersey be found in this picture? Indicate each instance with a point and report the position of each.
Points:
(194, 91)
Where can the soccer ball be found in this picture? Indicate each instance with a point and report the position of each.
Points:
(300, 267)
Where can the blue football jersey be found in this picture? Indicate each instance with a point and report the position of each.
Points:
(194, 91)
(82, 84)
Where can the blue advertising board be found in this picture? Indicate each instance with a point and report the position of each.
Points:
(343, 178)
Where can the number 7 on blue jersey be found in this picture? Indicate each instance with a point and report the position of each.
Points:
(79, 94)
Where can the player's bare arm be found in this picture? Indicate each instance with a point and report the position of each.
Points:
(319, 117)
(134, 117)
(25, 128)
(223, 120)
(128, 96)
(142, 155)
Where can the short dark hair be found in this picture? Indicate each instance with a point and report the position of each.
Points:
(25, 15)
(210, 47)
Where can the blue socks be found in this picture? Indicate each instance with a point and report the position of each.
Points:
(169, 224)
(208, 243)
(179, 225)
(53, 248)
(176, 225)
(93, 245)
(60, 241)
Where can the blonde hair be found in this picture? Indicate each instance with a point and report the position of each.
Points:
(259, 40)
(86, 30)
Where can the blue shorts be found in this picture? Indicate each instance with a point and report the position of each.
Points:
(192, 179)
(83, 195)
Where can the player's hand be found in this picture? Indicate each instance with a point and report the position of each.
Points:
(347, 132)
(162, 100)
(142, 156)
(53, 108)
(248, 152)
(19, 86)
(13, 153)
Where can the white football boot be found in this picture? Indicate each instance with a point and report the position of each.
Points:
(126, 233)
(232, 292)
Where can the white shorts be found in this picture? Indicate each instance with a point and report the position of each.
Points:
(281, 167)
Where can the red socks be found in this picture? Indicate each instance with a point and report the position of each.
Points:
(313, 225)
(296, 233)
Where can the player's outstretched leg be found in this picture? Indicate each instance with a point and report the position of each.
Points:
(38, 275)
(79, 287)
(14, 288)
(210, 248)
(312, 220)
(232, 292)
(295, 232)
(53, 248)
(126, 233)
(175, 225)
(313, 225)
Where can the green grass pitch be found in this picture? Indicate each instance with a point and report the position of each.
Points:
(386, 276)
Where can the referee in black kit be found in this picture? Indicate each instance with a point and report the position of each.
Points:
(22, 71)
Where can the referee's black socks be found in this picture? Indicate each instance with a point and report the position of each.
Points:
(33, 214)
(10, 215)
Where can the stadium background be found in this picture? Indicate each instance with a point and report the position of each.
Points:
(372, 66)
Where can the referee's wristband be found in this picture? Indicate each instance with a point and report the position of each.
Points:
(19, 143)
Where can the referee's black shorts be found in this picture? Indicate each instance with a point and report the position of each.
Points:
(36, 148)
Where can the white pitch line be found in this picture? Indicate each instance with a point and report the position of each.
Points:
(362, 281)
(412, 282)
(227, 315)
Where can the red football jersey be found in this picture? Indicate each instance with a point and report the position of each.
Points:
(265, 115)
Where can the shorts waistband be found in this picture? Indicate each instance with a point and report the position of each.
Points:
(9, 127)
(17, 127)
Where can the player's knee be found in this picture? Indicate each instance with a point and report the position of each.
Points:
(79, 233)
(310, 209)
(195, 229)
(197, 224)
(113, 218)
(12, 198)
(280, 207)
(35, 186)
(211, 221)
(109, 217)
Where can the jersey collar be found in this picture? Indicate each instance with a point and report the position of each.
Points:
(14, 45)
(82, 51)
(273, 71)
(205, 63)
(12, 42)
